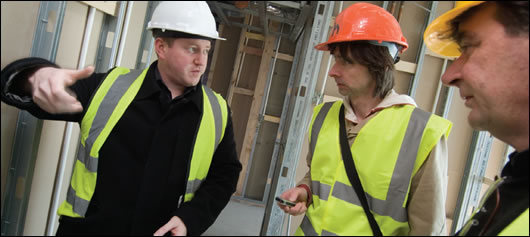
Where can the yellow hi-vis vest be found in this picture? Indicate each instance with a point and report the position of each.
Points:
(109, 103)
(518, 227)
(388, 151)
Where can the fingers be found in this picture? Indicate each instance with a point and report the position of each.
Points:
(175, 226)
(294, 195)
(50, 89)
(80, 74)
(300, 208)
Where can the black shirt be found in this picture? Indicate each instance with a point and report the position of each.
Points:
(512, 199)
(142, 168)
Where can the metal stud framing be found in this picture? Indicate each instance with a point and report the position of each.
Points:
(273, 221)
(28, 130)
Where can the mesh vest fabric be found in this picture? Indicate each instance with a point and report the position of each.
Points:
(388, 152)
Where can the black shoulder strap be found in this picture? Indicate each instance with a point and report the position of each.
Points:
(352, 173)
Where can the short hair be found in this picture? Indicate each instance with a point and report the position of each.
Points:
(512, 15)
(376, 58)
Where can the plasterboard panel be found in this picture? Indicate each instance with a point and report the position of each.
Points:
(249, 72)
(428, 82)
(225, 59)
(134, 34)
(261, 160)
(412, 22)
(240, 111)
(278, 88)
(21, 35)
(108, 7)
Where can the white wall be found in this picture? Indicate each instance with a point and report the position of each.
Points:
(17, 40)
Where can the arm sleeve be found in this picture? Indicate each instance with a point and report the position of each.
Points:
(307, 177)
(215, 192)
(14, 80)
(428, 192)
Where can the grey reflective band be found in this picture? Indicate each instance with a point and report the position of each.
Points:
(79, 205)
(317, 125)
(218, 117)
(103, 114)
(320, 189)
(108, 104)
(193, 185)
(389, 207)
(307, 227)
(83, 155)
(399, 183)
(407, 158)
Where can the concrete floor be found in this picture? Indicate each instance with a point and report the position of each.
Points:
(237, 219)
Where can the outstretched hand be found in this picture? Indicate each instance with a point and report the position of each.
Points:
(49, 87)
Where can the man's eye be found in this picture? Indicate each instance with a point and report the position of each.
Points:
(192, 49)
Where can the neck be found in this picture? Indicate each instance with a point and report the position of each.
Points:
(362, 106)
(518, 139)
(175, 90)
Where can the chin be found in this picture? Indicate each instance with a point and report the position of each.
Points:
(194, 82)
(477, 123)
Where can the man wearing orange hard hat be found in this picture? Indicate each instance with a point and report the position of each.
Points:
(378, 163)
(490, 40)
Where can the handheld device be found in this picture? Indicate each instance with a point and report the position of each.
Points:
(285, 202)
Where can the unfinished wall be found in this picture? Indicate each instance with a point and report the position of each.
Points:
(253, 76)
(50, 146)
(20, 34)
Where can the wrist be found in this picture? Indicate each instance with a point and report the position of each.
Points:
(308, 191)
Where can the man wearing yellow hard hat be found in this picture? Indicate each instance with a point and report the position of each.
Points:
(490, 40)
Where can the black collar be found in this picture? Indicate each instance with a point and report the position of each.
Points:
(153, 84)
(518, 164)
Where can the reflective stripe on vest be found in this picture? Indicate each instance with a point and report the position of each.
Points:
(203, 151)
(518, 227)
(106, 108)
(409, 135)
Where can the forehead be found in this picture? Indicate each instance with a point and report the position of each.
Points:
(339, 49)
(480, 23)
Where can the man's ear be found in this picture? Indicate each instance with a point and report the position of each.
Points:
(160, 47)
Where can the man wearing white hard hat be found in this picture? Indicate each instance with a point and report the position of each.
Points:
(157, 152)
(490, 40)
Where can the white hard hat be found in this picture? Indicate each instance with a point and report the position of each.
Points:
(193, 17)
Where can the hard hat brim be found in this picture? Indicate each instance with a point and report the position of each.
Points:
(325, 46)
(433, 33)
(198, 34)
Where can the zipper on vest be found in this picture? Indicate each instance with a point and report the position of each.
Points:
(181, 197)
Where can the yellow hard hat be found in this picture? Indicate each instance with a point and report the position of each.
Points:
(431, 37)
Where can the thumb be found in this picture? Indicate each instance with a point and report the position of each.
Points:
(81, 73)
(292, 196)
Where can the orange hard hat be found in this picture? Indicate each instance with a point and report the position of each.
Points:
(365, 21)
(433, 36)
